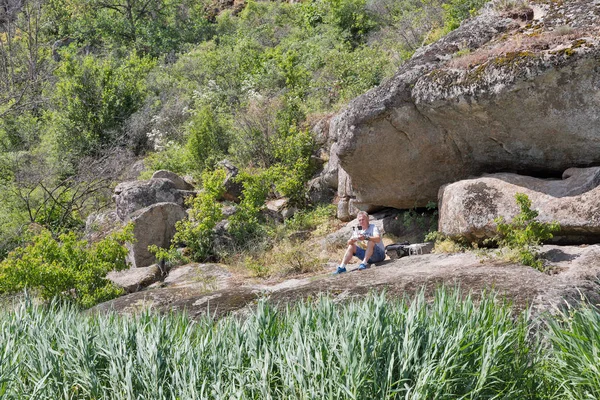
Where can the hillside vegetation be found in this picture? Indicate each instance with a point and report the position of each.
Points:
(89, 86)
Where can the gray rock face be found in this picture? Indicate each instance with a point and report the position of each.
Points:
(152, 225)
(99, 225)
(233, 189)
(522, 103)
(331, 170)
(319, 192)
(468, 207)
(132, 196)
(209, 277)
(178, 181)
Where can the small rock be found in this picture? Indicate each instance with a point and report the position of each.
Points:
(135, 279)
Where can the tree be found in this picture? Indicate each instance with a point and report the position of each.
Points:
(48, 196)
(153, 27)
(23, 56)
(93, 98)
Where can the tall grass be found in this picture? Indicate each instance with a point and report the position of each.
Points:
(574, 357)
(450, 348)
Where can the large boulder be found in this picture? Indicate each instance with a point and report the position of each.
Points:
(152, 225)
(523, 99)
(468, 208)
(319, 192)
(331, 168)
(132, 196)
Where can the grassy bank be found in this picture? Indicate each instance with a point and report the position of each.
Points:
(373, 349)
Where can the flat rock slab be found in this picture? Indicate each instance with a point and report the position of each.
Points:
(575, 274)
(206, 277)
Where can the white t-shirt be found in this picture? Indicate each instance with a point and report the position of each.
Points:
(371, 231)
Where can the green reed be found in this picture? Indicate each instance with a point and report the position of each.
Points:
(449, 348)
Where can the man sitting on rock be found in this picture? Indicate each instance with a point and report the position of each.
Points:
(370, 238)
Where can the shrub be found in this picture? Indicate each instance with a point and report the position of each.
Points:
(295, 168)
(524, 234)
(256, 266)
(283, 258)
(93, 99)
(352, 17)
(424, 218)
(455, 11)
(319, 219)
(207, 140)
(173, 158)
(197, 232)
(444, 244)
(66, 267)
(294, 258)
(246, 224)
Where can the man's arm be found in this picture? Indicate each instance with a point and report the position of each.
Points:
(376, 238)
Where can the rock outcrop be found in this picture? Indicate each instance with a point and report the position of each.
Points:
(495, 95)
(468, 207)
(132, 196)
(153, 207)
(99, 225)
(178, 182)
(152, 225)
(576, 277)
(135, 279)
(233, 189)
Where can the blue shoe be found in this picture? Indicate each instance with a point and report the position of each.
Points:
(362, 266)
(340, 270)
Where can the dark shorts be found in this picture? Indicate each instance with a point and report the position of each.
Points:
(377, 256)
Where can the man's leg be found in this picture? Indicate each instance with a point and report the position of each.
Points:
(349, 254)
(368, 252)
(347, 257)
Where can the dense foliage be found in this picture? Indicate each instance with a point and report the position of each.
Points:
(66, 267)
(448, 348)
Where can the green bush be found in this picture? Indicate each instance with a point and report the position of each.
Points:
(93, 97)
(197, 232)
(246, 225)
(455, 11)
(444, 244)
(173, 158)
(352, 18)
(311, 219)
(207, 140)
(66, 267)
(524, 233)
